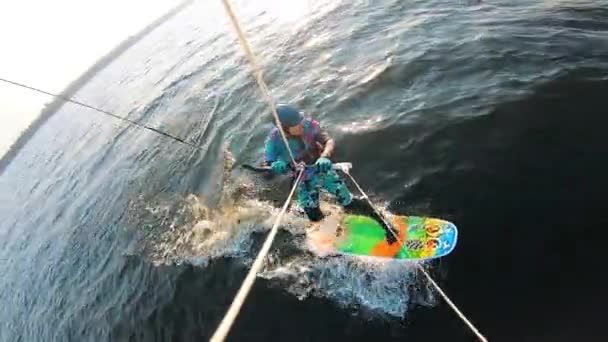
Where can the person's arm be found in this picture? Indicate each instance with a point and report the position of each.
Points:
(328, 151)
(328, 144)
(270, 150)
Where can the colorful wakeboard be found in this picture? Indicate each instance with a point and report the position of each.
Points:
(419, 237)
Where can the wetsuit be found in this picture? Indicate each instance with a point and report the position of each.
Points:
(308, 149)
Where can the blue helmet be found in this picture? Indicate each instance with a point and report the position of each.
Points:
(289, 116)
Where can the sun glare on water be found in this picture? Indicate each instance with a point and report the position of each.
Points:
(287, 11)
(282, 12)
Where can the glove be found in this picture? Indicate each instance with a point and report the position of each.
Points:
(323, 164)
(279, 167)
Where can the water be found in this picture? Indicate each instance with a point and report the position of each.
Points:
(490, 115)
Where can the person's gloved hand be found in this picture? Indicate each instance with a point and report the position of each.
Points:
(279, 167)
(323, 164)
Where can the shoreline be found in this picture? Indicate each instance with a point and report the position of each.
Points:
(51, 108)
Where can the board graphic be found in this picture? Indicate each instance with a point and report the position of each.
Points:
(420, 238)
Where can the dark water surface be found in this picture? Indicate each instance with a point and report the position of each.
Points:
(492, 116)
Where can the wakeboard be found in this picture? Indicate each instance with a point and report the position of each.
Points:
(419, 238)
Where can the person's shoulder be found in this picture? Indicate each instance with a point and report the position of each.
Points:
(311, 123)
(273, 133)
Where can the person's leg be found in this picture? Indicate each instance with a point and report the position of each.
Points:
(308, 198)
(335, 185)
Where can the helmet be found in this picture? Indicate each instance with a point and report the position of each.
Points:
(289, 116)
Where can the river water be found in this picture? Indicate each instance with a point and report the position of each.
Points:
(490, 115)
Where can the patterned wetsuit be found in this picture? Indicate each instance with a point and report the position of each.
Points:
(308, 148)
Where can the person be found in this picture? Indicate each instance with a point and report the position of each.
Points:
(311, 144)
